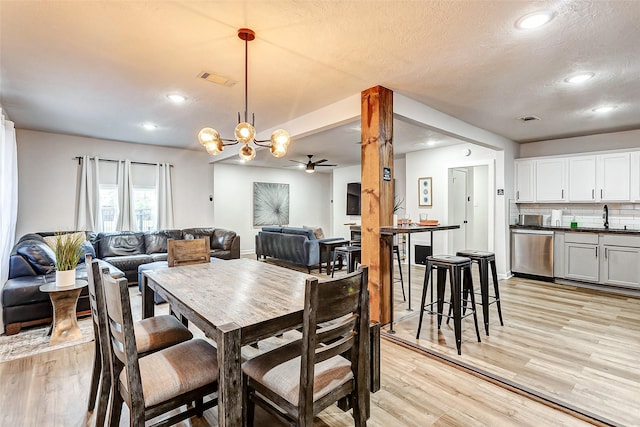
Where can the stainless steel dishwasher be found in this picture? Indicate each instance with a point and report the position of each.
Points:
(532, 252)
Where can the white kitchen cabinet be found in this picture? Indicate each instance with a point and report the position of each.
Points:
(620, 260)
(621, 266)
(613, 177)
(558, 255)
(582, 179)
(525, 180)
(581, 256)
(551, 180)
(635, 176)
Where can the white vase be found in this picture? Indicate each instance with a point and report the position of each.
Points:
(395, 220)
(65, 278)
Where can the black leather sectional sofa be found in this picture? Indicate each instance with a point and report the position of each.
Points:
(32, 263)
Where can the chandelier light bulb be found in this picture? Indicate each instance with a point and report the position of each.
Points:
(245, 132)
(207, 135)
(247, 153)
(214, 148)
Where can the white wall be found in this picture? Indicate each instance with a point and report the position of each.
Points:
(47, 178)
(435, 163)
(309, 198)
(582, 144)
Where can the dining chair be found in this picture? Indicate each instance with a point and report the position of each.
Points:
(329, 363)
(159, 382)
(152, 334)
(189, 251)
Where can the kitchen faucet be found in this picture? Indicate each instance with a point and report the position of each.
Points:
(605, 216)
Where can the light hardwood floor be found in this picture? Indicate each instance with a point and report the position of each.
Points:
(417, 389)
(570, 344)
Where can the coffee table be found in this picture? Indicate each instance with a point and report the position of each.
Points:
(65, 322)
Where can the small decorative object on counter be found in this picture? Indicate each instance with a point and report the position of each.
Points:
(574, 223)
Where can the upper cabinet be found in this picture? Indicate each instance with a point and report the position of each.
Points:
(607, 177)
(524, 174)
(635, 176)
(551, 180)
(612, 177)
(582, 179)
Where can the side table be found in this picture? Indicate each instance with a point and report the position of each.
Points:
(328, 247)
(64, 300)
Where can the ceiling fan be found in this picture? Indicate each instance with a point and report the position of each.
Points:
(311, 165)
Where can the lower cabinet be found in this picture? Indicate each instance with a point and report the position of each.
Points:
(608, 259)
(621, 266)
(581, 261)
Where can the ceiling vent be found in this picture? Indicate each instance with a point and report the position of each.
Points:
(214, 78)
(529, 118)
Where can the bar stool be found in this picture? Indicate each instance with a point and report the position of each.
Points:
(396, 250)
(485, 260)
(349, 254)
(457, 267)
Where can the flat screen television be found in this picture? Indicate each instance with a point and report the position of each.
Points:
(353, 198)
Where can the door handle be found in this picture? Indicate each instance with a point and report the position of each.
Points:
(601, 193)
(517, 195)
(593, 193)
(606, 252)
(596, 252)
(562, 194)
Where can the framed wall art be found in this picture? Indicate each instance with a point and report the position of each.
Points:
(425, 192)
(270, 203)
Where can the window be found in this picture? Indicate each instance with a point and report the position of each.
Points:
(108, 207)
(145, 208)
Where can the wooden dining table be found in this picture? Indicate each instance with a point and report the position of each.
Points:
(235, 303)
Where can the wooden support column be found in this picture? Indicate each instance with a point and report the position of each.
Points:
(377, 195)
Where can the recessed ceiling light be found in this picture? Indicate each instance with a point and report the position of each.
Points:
(534, 20)
(177, 98)
(579, 78)
(149, 126)
(605, 108)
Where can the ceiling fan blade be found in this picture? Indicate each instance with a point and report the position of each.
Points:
(326, 165)
(321, 161)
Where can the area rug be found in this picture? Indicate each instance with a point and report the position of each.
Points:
(35, 340)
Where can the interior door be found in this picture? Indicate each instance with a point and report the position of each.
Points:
(458, 212)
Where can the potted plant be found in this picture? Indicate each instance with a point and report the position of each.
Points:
(397, 205)
(68, 250)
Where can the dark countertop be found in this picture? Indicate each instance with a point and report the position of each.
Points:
(410, 228)
(616, 230)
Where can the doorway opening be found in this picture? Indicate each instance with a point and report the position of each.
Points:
(469, 206)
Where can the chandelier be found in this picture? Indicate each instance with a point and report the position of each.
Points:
(245, 132)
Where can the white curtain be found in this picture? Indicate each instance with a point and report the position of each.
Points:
(88, 213)
(164, 196)
(126, 211)
(8, 196)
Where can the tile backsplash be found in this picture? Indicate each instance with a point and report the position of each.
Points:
(589, 214)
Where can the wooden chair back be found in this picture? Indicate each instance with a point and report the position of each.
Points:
(336, 322)
(186, 252)
(123, 349)
(101, 376)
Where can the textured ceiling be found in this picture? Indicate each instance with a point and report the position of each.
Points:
(101, 68)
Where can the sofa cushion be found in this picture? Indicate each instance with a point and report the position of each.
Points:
(198, 233)
(38, 253)
(129, 263)
(222, 239)
(156, 241)
(299, 231)
(121, 244)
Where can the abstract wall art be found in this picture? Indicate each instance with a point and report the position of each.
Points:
(270, 203)
(425, 193)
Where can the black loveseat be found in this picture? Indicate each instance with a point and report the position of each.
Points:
(32, 263)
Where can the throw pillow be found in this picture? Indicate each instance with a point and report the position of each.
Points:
(317, 231)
